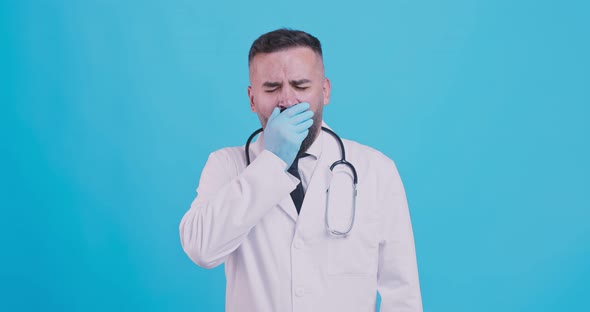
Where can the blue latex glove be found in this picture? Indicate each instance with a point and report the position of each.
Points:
(286, 130)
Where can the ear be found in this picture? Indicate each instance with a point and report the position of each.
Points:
(251, 97)
(327, 87)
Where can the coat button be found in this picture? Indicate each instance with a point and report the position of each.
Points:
(298, 244)
(299, 292)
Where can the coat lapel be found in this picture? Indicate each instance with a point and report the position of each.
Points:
(313, 210)
(289, 207)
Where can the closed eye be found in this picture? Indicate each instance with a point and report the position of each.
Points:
(300, 88)
(271, 86)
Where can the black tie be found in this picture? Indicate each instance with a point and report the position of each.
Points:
(297, 194)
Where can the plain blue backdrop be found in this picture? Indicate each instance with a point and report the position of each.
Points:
(111, 108)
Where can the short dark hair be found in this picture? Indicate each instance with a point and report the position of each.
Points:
(282, 39)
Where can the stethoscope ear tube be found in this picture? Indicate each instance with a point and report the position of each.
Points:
(247, 147)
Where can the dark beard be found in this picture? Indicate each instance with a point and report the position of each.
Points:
(314, 132)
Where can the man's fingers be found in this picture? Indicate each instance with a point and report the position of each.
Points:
(301, 117)
(275, 112)
(303, 126)
(296, 109)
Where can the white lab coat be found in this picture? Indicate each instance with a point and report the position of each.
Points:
(277, 260)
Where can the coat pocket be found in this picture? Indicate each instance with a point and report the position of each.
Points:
(354, 254)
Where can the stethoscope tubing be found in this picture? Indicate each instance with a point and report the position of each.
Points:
(341, 161)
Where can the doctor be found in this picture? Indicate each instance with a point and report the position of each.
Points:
(267, 220)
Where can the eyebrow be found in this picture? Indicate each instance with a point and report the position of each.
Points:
(270, 84)
(299, 82)
(274, 84)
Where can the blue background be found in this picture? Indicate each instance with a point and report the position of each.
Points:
(110, 109)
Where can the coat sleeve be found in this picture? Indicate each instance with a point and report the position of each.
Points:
(228, 206)
(397, 279)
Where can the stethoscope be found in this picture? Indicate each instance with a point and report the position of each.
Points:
(341, 161)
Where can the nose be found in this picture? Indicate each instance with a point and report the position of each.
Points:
(286, 98)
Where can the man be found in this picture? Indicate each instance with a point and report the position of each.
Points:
(267, 220)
